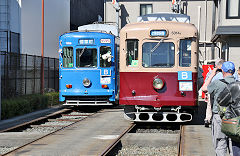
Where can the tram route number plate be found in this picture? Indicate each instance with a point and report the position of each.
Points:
(184, 75)
(105, 80)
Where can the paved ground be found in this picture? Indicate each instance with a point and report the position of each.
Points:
(197, 139)
(88, 137)
(4, 124)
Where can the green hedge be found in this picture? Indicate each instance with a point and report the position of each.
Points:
(28, 103)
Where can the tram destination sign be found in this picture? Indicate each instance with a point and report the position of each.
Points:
(86, 41)
(158, 33)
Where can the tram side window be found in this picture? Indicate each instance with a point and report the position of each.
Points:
(86, 57)
(132, 53)
(105, 56)
(158, 54)
(185, 53)
(67, 55)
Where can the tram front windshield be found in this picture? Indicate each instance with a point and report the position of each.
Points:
(86, 57)
(158, 54)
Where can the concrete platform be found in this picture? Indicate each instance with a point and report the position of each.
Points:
(4, 124)
(16, 139)
(88, 137)
(197, 141)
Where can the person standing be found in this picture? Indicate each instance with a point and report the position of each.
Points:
(209, 99)
(220, 140)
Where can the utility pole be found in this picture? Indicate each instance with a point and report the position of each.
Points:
(42, 58)
(117, 8)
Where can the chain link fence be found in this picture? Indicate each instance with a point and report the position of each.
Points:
(21, 74)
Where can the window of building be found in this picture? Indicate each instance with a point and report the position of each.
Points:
(145, 9)
(67, 55)
(158, 55)
(132, 53)
(86, 57)
(185, 53)
(105, 56)
(233, 9)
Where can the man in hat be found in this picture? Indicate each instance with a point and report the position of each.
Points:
(219, 139)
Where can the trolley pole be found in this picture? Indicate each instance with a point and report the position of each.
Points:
(42, 60)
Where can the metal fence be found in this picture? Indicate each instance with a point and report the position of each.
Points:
(21, 74)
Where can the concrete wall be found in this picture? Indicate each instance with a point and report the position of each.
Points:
(57, 21)
(234, 49)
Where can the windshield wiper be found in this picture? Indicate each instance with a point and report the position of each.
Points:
(82, 51)
(156, 46)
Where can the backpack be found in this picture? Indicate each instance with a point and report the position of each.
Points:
(230, 97)
(229, 101)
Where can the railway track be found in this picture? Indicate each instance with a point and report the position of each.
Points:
(38, 128)
(125, 142)
(90, 137)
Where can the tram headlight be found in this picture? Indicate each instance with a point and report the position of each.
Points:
(158, 83)
(86, 82)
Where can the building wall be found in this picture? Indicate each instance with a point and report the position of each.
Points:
(223, 20)
(233, 49)
(10, 25)
(15, 15)
(229, 44)
(57, 21)
(130, 10)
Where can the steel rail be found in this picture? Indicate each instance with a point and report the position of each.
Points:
(35, 120)
(181, 141)
(116, 141)
(20, 147)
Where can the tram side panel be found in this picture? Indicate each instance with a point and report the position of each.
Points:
(87, 68)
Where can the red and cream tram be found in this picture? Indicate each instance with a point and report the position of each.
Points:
(158, 71)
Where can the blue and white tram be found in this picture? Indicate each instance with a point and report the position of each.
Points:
(88, 68)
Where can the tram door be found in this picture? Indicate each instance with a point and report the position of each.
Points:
(107, 65)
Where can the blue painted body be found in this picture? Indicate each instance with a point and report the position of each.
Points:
(75, 75)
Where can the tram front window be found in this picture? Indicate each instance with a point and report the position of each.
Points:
(86, 57)
(158, 54)
(105, 56)
(185, 53)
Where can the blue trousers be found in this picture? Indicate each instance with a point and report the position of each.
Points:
(236, 148)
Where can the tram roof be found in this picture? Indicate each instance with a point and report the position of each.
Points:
(88, 34)
(146, 26)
